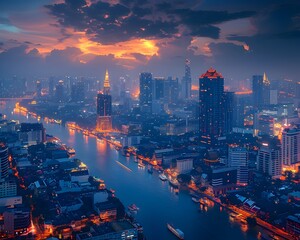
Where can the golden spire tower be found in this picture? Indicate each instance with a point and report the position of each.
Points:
(106, 88)
(266, 80)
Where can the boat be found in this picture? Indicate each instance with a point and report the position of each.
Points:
(133, 208)
(163, 177)
(71, 151)
(195, 200)
(141, 165)
(177, 232)
(174, 183)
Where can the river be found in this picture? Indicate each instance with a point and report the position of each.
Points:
(157, 201)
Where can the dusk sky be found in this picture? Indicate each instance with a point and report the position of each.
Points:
(76, 37)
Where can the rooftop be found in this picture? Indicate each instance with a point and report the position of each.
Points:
(211, 73)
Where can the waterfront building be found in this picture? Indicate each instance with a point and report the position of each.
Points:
(4, 163)
(146, 92)
(222, 179)
(269, 159)
(32, 133)
(104, 107)
(238, 158)
(121, 229)
(290, 150)
(211, 107)
(261, 91)
(186, 83)
(184, 165)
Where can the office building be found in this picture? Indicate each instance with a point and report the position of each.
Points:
(146, 92)
(32, 133)
(77, 92)
(261, 91)
(211, 107)
(186, 83)
(184, 165)
(290, 149)
(238, 158)
(269, 159)
(228, 112)
(60, 91)
(38, 89)
(8, 188)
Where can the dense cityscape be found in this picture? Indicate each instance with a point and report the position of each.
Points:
(143, 154)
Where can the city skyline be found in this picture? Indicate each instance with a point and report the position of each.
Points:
(132, 37)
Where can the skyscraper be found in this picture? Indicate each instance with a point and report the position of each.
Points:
(269, 159)
(146, 92)
(228, 111)
(59, 91)
(104, 107)
(4, 164)
(38, 89)
(211, 106)
(77, 92)
(186, 83)
(290, 147)
(261, 91)
(51, 87)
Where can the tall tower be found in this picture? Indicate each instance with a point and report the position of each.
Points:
(38, 89)
(211, 107)
(261, 91)
(104, 107)
(186, 81)
(146, 92)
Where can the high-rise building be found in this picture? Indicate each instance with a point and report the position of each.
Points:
(238, 158)
(77, 92)
(51, 87)
(159, 83)
(211, 106)
(186, 83)
(228, 111)
(38, 89)
(146, 92)
(269, 159)
(59, 91)
(171, 90)
(4, 163)
(104, 107)
(290, 146)
(261, 91)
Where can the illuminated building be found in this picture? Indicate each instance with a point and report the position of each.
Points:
(290, 146)
(264, 124)
(238, 158)
(223, 179)
(211, 106)
(38, 89)
(269, 159)
(32, 133)
(4, 163)
(184, 165)
(186, 82)
(146, 92)
(8, 188)
(171, 90)
(104, 107)
(261, 91)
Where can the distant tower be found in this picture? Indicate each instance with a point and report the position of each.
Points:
(59, 91)
(51, 87)
(146, 92)
(186, 83)
(104, 107)
(38, 89)
(211, 107)
(261, 91)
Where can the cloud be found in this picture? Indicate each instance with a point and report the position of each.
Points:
(110, 23)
